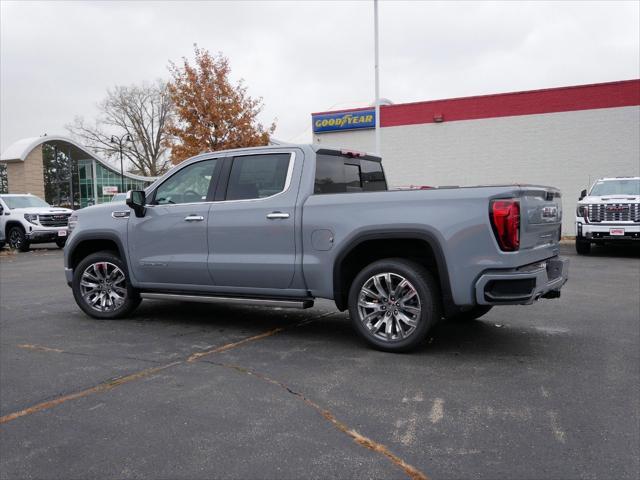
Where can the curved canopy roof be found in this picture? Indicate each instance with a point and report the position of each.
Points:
(18, 152)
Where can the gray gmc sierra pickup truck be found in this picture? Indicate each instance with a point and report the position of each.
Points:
(282, 226)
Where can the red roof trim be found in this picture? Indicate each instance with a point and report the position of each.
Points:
(564, 99)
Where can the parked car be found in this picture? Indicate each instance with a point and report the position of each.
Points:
(27, 219)
(609, 213)
(282, 226)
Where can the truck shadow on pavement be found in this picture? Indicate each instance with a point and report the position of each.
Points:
(189, 314)
(486, 337)
(331, 330)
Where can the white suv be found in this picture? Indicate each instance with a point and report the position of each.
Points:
(27, 219)
(609, 213)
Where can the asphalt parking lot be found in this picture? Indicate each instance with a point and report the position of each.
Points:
(199, 391)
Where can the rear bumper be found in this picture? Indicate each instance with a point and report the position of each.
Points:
(595, 232)
(524, 285)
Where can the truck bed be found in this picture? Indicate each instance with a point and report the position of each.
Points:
(456, 218)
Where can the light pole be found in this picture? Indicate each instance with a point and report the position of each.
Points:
(71, 177)
(55, 163)
(120, 141)
(377, 76)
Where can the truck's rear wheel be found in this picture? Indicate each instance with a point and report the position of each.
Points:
(583, 247)
(101, 286)
(393, 303)
(18, 239)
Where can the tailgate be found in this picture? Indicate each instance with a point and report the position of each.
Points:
(540, 216)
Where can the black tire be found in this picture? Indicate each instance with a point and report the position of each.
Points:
(60, 242)
(17, 239)
(427, 293)
(472, 314)
(131, 300)
(583, 247)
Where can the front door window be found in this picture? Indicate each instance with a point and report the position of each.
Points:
(189, 185)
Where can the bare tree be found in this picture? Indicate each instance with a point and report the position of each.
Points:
(142, 111)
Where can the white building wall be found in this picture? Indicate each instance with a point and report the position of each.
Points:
(568, 150)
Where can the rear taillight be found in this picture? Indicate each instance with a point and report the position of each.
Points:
(505, 220)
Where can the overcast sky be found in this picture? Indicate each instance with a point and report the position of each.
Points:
(57, 59)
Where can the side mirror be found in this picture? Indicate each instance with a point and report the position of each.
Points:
(136, 200)
(583, 194)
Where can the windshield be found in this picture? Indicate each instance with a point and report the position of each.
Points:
(119, 197)
(616, 187)
(23, 201)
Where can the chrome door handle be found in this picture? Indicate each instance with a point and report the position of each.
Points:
(193, 218)
(275, 215)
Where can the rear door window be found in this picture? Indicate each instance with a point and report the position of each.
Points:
(258, 176)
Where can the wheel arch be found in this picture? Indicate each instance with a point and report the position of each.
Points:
(10, 224)
(421, 246)
(86, 244)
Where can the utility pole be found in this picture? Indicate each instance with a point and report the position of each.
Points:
(119, 141)
(377, 76)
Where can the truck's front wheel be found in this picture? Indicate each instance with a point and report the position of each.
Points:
(101, 286)
(393, 303)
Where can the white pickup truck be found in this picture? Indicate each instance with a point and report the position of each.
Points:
(610, 212)
(27, 219)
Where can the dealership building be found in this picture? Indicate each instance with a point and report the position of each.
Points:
(88, 179)
(564, 137)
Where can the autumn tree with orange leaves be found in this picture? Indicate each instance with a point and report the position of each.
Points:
(210, 112)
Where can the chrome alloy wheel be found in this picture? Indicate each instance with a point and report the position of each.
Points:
(389, 306)
(103, 286)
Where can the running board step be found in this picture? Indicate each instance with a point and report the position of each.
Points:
(254, 302)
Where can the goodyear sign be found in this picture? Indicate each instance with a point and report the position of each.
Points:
(329, 122)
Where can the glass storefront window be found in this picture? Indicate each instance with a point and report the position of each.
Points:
(104, 177)
(73, 178)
